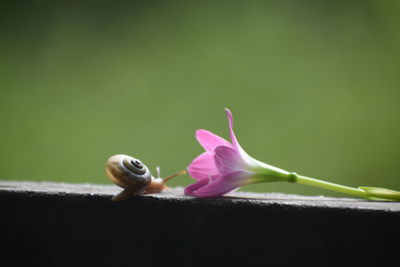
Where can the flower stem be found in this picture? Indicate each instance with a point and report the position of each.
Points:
(300, 179)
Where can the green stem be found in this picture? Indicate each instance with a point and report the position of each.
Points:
(300, 179)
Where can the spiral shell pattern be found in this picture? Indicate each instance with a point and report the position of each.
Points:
(128, 172)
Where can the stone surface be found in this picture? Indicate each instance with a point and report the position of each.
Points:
(57, 224)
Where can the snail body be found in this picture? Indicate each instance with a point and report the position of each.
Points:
(134, 176)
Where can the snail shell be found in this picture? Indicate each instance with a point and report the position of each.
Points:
(132, 175)
(128, 173)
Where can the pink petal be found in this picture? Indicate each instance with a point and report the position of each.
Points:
(227, 159)
(193, 187)
(232, 134)
(223, 185)
(235, 142)
(203, 167)
(209, 140)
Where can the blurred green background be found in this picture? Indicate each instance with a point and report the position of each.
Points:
(313, 86)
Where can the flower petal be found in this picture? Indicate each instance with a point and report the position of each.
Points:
(249, 160)
(232, 134)
(203, 167)
(193, 187)
(223, 185)
(210, 141)
(227, 159)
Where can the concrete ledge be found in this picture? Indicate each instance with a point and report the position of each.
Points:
(55, 224)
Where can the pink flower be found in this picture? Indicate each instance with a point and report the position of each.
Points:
(225, 167)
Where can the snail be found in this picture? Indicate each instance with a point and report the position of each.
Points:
(135, 177)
